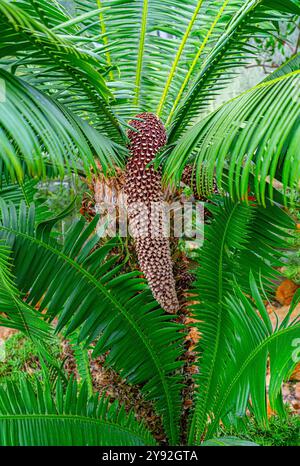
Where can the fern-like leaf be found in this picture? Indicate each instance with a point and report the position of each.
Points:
(32, 415)
(115, 310)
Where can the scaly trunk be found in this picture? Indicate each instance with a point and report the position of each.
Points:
(144, 195)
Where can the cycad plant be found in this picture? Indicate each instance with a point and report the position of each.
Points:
(108, 90)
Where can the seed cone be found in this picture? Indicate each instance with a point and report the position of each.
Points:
(144, 196)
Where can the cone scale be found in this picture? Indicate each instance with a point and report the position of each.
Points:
(144, 194)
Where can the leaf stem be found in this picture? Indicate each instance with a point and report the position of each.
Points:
(141, 52)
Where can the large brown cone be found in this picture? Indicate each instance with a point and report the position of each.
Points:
(143, 189)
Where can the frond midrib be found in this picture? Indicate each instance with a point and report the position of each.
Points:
(105, 39)
(74, 72)
(139, 64)
(177, 57)
(263, 84)
(229, 35)
(196, 58)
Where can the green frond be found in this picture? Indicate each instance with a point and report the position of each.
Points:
(17, 314)
(117, 311)
(252, 344)
(150, 51)
(256, 133)
(240, 238)
(291, 65)
(211, 285)
(26, 38)
(32, 415)
(195, 63)
(15, 193)
(51, 14)
(264, 251)
(141, 51)
(255, 18)
(178, 56)
(36, 130)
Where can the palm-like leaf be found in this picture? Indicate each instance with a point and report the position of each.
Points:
(265, 247)
(24, 37)
(15, 193)
(231, 51)
(58, 106)
(292, 64)
(51, 14)
(32, 415)
(252, 343)
(224, 257)
(152, 45)
(81, 357)
(117, 308)
(36, 129)
(51, 47)
(243, 134)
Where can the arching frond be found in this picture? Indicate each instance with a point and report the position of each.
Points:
(25, 38)
(292, 64)
(115, 310)
(254, 341)
(224, 258)
(52, 14)
(15, 193)
(36, 130)
(32, 415)
(183, 44)
(82, 361)
(256, 17)
(256, 133)
(211, 285)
